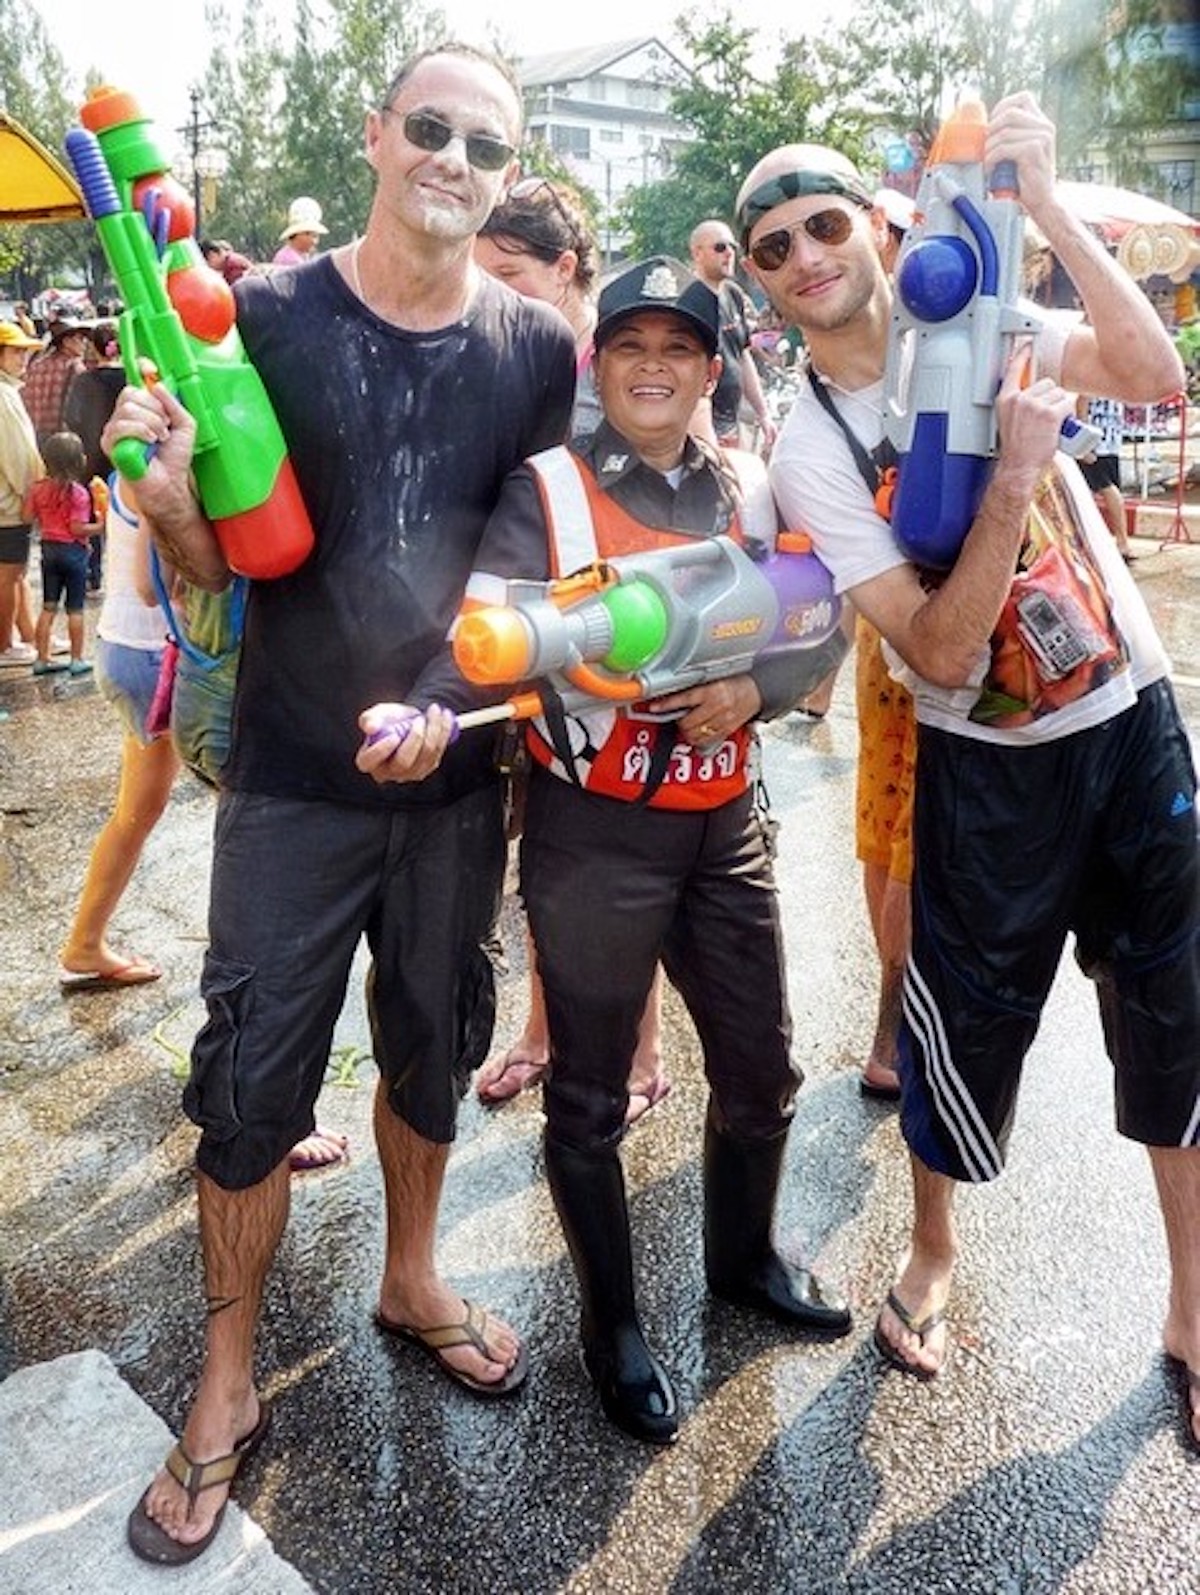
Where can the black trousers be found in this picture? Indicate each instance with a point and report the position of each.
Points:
(611, 888)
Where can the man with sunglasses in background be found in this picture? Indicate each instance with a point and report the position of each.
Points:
(408, 383)
(714, 260)
(1046, 800)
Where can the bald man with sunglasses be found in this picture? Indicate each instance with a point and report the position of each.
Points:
(1053, 795)
(714, 260)
(408, 383)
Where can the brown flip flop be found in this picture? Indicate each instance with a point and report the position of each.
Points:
(436, 1342)
(150, 1540)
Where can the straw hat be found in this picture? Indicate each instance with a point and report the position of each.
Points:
(304, 216)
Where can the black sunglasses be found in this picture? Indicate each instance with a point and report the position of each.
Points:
(429, 132)
(830, 227)
(722, 246)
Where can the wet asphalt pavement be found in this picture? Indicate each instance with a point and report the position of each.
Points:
(1047, 1459)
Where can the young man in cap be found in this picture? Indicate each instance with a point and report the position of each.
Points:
(1047, 799)
(406, 332)
(20, 467)
(643, 841)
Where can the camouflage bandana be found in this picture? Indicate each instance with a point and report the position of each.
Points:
(797, 185)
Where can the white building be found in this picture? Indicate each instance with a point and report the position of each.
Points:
(603, 110)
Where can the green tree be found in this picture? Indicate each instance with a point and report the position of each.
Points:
(343, 56)
(287, 110)
(737, 116)
(897, 65)
(241, 94)
(1106, 74)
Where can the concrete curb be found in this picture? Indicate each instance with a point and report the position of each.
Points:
(79, 1447)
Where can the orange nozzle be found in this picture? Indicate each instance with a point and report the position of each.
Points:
(491, 646)
(960, 139)
(107, 107)
(793, 543)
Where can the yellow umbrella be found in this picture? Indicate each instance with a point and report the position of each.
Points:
(34, 186)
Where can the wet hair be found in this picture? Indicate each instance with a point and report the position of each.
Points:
(544, 222)
(463, 52)
(65, 458)
(104, 340)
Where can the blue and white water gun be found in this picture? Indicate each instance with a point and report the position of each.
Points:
(956, 314)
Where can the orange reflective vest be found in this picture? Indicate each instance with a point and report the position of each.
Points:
(613, 748)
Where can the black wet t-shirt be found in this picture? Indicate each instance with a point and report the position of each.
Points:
(733, 340)
(400, 442)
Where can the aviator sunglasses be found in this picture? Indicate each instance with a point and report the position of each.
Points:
(830, 227)
(429, 132)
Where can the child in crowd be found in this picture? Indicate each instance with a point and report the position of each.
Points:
(62, 506)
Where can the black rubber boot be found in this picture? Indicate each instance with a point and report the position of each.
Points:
(634, 1388)
(741, 1179)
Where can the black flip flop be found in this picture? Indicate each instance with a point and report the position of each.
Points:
(922, 1330)
(1187, 1380)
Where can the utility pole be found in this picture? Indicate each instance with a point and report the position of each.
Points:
(195, 130)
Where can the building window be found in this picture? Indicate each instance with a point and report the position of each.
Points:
(612, 135)
(572, 141)
(645, 96)
(1175, 183)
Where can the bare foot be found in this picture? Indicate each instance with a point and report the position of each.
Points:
(915, 1339)
(79, 965)
(879, 1080)
(207, 1435)
(320, 1150)
(522, 1066)
(645, 1096)
(440, 1307)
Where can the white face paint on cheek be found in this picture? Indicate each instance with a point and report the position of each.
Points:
(444, 220)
